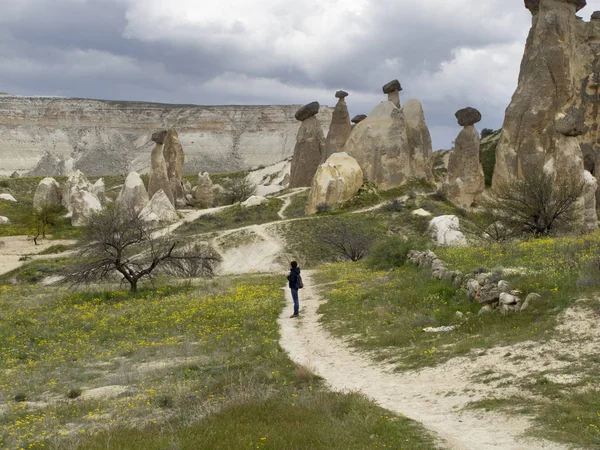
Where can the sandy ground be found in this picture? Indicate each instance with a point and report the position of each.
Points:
(421, 396)
(17, 246)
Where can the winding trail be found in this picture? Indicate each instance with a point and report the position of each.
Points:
(417, 395)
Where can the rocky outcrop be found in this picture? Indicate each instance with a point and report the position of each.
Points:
(84, 205)
(159, 177)
(310, 147)
(542, 123)
(99, 190)
(340, 128)
(446, 231)
(133, 196)
(336, 181)
(175, 158)
(465, 180)
(203, 192)
(4, 221)
(47, 193)
(159, 209)
(75, 183)
(106, 137)
(392, 144)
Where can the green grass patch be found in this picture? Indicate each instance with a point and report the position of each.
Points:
(297, 206)
(234, 217)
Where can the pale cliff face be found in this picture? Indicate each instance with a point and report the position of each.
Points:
(106, 137)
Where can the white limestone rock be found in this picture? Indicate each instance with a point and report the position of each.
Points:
(204, 192)
(159, 209)
(445, 230)
(98, 189)
(421, 213)
(75, 183)
(133, 196)
(4, 220)
(335, 182)
(84, 206)
(8, 198)
(47, 193)
(255, 200)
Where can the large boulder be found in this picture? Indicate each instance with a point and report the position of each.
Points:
(99, 190)
(465, 180)
(84, 205)
(310, 148)
(307, 111)
(75, 183)
(340, 128)
(133, 196)
(335, 182)
(204, 191)
(159, 177)
(175, 158)
(47, 193)
(445, 231)
(159, 209)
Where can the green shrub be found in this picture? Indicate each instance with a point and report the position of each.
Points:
(74, 393)
(389, 253)
(20, 397)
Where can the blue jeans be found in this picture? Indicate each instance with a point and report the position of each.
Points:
(295, 298)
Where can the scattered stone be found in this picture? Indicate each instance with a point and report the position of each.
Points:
(468, 116)
(307, 111)
(445, 230)
(255, 200)
(204, 192)
(439, 329)
(421, 213)
(508, 299)
(341, 94)
(133, 196)
(473, 288)
(488, 295)
(159, 177)
(486, 309)
(529, 300)
(47, 193)
(8, 198)
(359, 118)
(159, 209)
(84, 206)
(4, 221)
(335, 182)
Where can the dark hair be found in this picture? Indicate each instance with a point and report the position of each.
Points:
(294, 264)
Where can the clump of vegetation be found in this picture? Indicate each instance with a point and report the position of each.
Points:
(349, 241)
(20, 397)
(74, 393)
(44, 219)
(237, 188)
(390, 252)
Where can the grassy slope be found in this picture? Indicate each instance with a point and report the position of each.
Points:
(200, 367)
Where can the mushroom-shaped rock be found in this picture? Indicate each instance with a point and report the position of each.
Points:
(133, 196)
(159, 209)
(307, 111)
(204, 192)
(392, 89)
(4, 221)
(98, 189)
(340, 129)
(341, 94)
(85, 204)
(468, 116)
(175, 158)
(336, 181)
(75, 183)
(47, 193)
(8, 198)
(308, 153)
(445, 231)
(159, 177)
(255, 200)
(358, 118)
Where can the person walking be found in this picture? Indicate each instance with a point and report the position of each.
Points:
(295, 282)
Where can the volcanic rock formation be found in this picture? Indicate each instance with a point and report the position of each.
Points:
(310, 147)
(465, 180)
(133, 196)
(175, 157)
(47, 193)
(159, 209)
(159, 177)
(340, 128)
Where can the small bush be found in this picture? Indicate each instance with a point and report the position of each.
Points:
(389, 253)
(394, 205)
(165, 401)
(4, 183)
(486, 132)
(20, 397)
(74, 393)
(238, 189)
(323, 208)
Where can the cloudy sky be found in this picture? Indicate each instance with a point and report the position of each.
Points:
(447, 53)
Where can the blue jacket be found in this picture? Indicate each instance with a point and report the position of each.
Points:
(293, 277)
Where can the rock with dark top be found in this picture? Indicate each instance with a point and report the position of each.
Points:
(596, 15)
(468, 116)
(309, 151)
(534, 5)
(341, 94)
(392, 86)
(573, 124)
(359, 118)
(339, 130)
(15, 174)
(307, 111)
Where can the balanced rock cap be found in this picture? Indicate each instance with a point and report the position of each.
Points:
(359, 118)
(159, 137)
(596, 15)
(534, 5)
(341, 94)
(392, 86)
(307, 111)
(468, 116)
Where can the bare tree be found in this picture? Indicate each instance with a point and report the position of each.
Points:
(118, 242)
(43, 219)
(351, 241)
(238, 188)
(538, 204)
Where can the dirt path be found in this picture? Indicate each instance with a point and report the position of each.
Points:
(418, 395)
(15, 247)
(287, 200)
